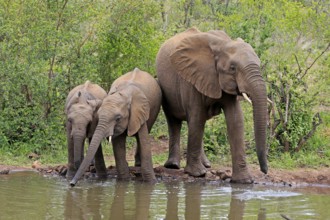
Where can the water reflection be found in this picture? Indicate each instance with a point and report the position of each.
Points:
(236, 210)
(84, 204)
(193, 195)
(32, 196)
(142, 201)
(237, 205)
(172, 192)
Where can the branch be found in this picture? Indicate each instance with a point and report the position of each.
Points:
(48, 104)
(90, 33)
(287, 103)
(296, 58)
(317, 120)
(308, 68)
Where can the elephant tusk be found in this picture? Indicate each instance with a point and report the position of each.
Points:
(246, 97)
(109, 139)
(270, 101)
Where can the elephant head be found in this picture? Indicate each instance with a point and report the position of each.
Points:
(125, 109)
(214, 64)
(80, 113)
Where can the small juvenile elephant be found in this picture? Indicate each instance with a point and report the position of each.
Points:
(81, 106)
(130, 109)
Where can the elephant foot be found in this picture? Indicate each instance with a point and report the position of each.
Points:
(149, 178)
(206, 162)
(123, 175)
(196, 170)
(243, 177)
(242, 181)
(172, 164)
(70, 174)
(102, 175)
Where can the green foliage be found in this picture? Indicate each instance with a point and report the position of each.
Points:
(124, 43)
(215, 139)
(44, 52)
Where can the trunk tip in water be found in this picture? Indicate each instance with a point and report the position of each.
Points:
(73, 182)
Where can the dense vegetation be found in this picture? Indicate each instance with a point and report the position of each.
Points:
(48, 47)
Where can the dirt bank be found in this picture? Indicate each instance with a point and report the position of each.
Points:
(295, 177)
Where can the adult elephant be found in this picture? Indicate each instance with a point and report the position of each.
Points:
(201, 74)
(81, 106)
(130, 109)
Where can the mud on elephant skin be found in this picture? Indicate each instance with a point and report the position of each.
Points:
(130, 109)
(201, 74)
(81, 106)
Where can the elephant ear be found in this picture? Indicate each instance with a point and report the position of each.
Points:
(195, 62)
(139, 111)
(94, 103)
(74, 99)
(220, 34)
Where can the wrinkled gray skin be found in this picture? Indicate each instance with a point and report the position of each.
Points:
(201, 74)
(130, 109)
(81, 107)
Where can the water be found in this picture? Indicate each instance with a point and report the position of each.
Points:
(29, 195)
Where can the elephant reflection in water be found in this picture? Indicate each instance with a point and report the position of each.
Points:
(142, 201)
(193, 202)
(82, 204)
(132, 201)
(94, 202)
(237, 206)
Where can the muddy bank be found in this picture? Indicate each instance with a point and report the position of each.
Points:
(296, 177)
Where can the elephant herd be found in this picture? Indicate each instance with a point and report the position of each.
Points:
(199, 75)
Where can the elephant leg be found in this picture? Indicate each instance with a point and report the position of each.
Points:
(194, 165)
(174, 128)
(100, 167)
(147, 169)
(99, 163)
(235, 129)
(137, 156)
(71, 171)
(119, 150)
(204, 159)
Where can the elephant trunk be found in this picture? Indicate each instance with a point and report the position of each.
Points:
(258, 94)
(99, 134)
(78, 141)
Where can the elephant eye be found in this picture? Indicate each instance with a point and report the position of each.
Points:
(232, 68)
(118, 117)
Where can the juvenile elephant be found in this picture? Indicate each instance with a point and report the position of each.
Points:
(201, 74)
(81, 106)
(130, 109)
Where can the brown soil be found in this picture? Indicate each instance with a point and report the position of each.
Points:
(280, 177)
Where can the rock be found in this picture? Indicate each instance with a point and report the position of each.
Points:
(321, 177)
(4, 171)
(33, 156)
(210, 175)
(36, 165)
(223, 174)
